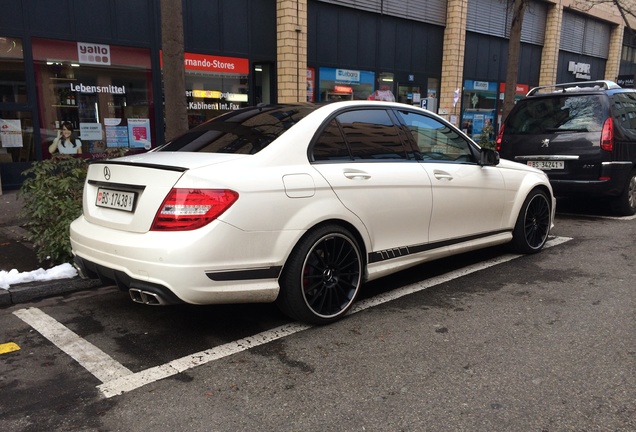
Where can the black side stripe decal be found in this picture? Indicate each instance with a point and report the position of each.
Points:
(388, 254)
(247, 274)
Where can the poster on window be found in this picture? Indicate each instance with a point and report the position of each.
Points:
(116, 133)
(10, 133)
(139, 133)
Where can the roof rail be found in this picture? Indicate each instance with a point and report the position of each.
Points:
(574, 86)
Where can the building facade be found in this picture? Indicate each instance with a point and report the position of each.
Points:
(94, 66)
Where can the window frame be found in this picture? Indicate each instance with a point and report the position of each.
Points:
(472, 150)
(407, 145)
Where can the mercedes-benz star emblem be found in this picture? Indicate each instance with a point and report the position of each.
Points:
(107, 173)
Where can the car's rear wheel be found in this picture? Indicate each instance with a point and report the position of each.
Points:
(625, 203)
(533, 223)
(322, 276)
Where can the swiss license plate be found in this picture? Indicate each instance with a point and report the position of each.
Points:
(547, 165)
(115, 199)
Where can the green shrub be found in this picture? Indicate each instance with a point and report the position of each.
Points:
(52, 199)
(484, 138)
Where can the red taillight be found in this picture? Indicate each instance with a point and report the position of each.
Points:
(607, 136)
(188, 209)
(499, 139)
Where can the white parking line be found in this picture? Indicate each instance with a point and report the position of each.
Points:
(128, 383)
(117, 379)
(632, 217)
(94, 360)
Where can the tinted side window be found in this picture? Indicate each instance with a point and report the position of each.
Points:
(576, 113)
(625, 109)
(371, 134)
(436, 140)
(331, 145)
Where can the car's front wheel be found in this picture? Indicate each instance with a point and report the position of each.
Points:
(625, 203)
(533, 223)
(322, 276)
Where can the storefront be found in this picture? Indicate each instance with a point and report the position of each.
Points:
(214, 85)
(101, 93)
(483, 106)
(479, 107)
(344, 84)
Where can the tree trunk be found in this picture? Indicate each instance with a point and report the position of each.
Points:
(175, 108)
(514, 48)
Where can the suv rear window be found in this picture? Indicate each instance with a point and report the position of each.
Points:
(568, 113)
(245, 131)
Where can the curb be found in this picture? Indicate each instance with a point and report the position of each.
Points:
(27, 292)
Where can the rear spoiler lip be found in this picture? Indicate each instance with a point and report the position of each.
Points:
(140, 164)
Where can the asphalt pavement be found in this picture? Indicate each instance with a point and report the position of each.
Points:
(17, 252)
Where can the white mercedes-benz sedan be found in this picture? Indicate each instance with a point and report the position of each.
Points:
(300, 204)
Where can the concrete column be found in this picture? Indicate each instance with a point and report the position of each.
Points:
(453, 58)
(291, 50)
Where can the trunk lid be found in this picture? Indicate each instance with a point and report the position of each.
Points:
(125, 193)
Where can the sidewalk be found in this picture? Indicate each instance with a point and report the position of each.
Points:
(16, 252)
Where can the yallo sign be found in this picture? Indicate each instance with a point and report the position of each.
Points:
(90, 53)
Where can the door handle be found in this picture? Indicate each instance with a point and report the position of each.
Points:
(356, 175)
(441, 175)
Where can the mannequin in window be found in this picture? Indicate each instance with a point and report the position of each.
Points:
(383, 94)
(66, 142)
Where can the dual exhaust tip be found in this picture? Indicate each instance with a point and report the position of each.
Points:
(146, 297)
(140, 292)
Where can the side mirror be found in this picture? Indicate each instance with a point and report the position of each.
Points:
(488, 157)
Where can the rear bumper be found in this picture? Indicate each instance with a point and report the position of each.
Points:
(614, 176)
(190, 267)
(124, 282)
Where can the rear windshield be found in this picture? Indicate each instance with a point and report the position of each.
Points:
(577, 113)
(245, 131)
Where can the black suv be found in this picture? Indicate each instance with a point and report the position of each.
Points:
(583, 135)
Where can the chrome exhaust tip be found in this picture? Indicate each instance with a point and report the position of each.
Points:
(80, 271)
(146, 297)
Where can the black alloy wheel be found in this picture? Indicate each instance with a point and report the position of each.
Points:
(322, 277)
(533, 223)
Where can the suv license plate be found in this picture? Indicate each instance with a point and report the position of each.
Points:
(547, 165)
(115, 199)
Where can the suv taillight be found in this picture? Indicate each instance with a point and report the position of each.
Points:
(499, 139)
(607, 136)
(188, 209)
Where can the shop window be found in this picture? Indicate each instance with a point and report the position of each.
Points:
(216, 85)
(101, 92)
(16, 125)
(344, 84)
(12, 77)
(384, 90)
(479, 109)
(16, 137)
